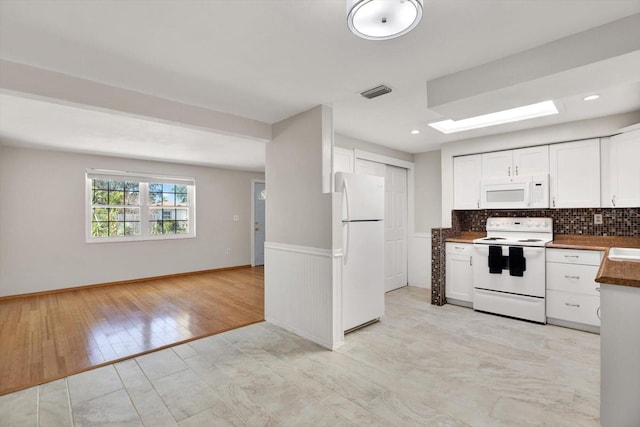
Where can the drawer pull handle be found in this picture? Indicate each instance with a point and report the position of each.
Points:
(572, 277)
(572, 305)
(459, 247)
(572, 256)
(598, 313)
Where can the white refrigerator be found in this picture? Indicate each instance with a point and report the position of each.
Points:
(363, 248)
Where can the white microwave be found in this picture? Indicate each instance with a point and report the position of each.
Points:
(523, 192)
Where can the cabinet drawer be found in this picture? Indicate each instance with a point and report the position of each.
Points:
(574, 256)
(573, 307)
(459, 248)
(573, 278)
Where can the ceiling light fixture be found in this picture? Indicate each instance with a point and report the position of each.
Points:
(383, 19)
(532, 111)
(415, 132)
(591, 97)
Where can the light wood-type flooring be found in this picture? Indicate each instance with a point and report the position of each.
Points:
(421, 365)
(50, 336)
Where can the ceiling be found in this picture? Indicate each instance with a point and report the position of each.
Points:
(267, 60)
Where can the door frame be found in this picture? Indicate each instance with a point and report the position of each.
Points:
(253, 218)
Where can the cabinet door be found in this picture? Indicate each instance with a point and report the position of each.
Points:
(625, 171)
(498, 164)
(466, 182)
(574, 175)
(531, 161)
(459, 277)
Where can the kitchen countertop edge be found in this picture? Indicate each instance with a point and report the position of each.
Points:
(611, 272)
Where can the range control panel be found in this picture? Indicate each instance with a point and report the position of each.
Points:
(525, 225)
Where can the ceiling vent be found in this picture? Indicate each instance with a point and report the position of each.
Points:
(376, 91)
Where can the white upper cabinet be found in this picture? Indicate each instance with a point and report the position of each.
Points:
(624, 170)
(574, 180)
(466, 182)
(514, 163)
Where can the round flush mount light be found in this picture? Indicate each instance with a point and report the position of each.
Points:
(383, 19)
(591, 97)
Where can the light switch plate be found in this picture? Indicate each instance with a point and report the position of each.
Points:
(597, 219)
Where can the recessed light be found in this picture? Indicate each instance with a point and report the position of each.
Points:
(591, 97)
(415, 132)
(526, 112)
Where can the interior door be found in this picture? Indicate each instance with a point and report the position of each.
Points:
(259, 196)
(395, 219)
(395, 228)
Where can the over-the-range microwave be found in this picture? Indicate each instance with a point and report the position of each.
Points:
(521, 192)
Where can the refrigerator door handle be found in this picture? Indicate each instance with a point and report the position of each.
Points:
(345, 255)
(346, 197)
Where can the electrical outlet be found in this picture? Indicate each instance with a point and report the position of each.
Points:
(236, 218)
(597, 219)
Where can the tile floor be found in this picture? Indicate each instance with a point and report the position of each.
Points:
(421, 365)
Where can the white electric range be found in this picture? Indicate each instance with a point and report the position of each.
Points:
(509, 267)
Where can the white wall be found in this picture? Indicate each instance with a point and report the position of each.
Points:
(428, 195)
(303, 292)
(297, 211)
(583, 129)
(42, 218)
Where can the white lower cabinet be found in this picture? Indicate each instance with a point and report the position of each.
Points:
(459, 274)
(573, 296)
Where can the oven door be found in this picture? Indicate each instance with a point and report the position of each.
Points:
(531, 282)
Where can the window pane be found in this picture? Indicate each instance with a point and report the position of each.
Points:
(155, 227)
(99, 214)
(168, 188)
(100, 184)
(116, 228)
(132, 214)
(182, 227)
(131, 198)
(155, 199)
(116, 185)
(132, 228)
(132, 186)
(168, 199)
(182, 214)
(116, 197)
(99, 229)
(99, 197)
(182, 199)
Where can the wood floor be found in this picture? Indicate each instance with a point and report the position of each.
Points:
(50, 336)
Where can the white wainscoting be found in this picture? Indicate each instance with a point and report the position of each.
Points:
(420, 260)
(303, 292)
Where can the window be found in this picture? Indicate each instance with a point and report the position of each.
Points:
(125, 206)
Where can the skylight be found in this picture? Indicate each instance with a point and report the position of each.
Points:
(526, 112)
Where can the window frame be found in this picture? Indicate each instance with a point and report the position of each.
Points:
(143, 180)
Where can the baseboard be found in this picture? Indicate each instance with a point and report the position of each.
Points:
(123, 282)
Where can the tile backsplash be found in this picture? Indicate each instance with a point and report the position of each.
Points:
(615, 221)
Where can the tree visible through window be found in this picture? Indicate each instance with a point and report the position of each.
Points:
(124, 208)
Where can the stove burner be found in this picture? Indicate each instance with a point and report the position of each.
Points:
(494, 238)
(530, 240)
